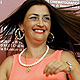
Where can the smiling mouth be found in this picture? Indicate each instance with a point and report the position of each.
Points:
(39, 31)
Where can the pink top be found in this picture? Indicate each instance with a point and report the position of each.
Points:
(36, 73)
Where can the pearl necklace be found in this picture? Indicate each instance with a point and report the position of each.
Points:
(36, 61)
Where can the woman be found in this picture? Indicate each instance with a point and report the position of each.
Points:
(33, 24)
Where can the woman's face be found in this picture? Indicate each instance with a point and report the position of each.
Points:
(37, 23)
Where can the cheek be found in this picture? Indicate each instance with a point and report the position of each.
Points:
(30, 24)
(48, 26)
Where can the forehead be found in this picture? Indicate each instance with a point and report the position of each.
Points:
(38, 9)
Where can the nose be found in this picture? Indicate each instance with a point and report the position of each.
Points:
(40, 23)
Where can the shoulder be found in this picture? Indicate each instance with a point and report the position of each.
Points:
(69, 56)
(5, 67)
(7, 62)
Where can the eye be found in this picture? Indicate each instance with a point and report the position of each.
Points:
(34, 18)
(46, 18)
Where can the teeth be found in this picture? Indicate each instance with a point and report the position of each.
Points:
(39, 30)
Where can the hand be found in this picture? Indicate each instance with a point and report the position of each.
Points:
(56, 66)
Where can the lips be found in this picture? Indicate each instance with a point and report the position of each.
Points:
(39, 31)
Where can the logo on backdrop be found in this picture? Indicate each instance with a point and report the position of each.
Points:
(64, 3)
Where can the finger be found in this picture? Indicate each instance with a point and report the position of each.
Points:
(49, 66)
(48, 72)
(63, 68)
(56, 66)
(53, 66)
(59, 70)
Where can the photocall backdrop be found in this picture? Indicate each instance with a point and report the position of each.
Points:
(7, 6)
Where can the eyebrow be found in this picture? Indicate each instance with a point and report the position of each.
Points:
(38, 15)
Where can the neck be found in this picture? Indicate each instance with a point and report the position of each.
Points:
(35, 52)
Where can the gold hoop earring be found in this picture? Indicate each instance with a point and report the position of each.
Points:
(19, 34)
(50, 38)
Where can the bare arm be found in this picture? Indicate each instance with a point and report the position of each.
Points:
(75, 72)
(5, 68)
(56, 66)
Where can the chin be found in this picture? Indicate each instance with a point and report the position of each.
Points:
(40, 40)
